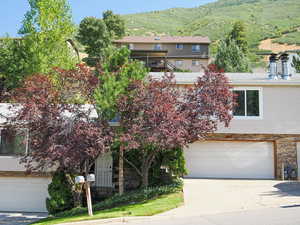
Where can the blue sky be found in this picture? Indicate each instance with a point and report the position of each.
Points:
(12, 11)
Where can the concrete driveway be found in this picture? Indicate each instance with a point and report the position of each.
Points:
(204, 196)
(8, 218)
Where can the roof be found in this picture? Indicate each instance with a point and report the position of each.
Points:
(165, 39)
(248, 79)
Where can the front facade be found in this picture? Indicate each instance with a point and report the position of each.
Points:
(169, 53)
(19, 191)
(263, 137)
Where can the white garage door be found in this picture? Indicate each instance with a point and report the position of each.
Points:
(230, 160)
(23, 194)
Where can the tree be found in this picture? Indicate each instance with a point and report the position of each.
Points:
(231, 58)
(93, 34)
(13, 60)
(64, 133)
(46, 28)
(97, 34)
(238, 34)
(114, 23)
(296, 63)
(157, 116)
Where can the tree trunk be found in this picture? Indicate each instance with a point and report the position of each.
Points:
(121, 171)
(145, 178)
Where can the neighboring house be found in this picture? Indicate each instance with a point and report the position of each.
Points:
(168, 53)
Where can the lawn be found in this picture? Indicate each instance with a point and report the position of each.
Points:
(148, 208)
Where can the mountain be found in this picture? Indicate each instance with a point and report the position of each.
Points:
(276, 19)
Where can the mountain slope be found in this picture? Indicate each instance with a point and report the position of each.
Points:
(263, 19)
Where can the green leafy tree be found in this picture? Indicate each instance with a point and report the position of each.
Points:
(13, 59)
(93, 34)
(60, 192)
(117, 73)
(231, 58)
(114, 23)
(97, 34)
(238, 34)
(46, 28)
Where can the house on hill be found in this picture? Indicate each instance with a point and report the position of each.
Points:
(168, 53)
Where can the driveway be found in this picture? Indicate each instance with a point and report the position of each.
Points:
(207, 196)
(7, 218)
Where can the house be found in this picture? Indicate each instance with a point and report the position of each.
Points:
(168, 53)
(264, 135)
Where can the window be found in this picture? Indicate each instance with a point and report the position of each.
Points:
(196, 48)
(131, 46)
(249, 102)
(179, 46)
(157, 47)
(179, 63)
(195, 63)
(13, 143)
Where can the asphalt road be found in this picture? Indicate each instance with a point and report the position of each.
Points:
(271, 216)
(20, 218)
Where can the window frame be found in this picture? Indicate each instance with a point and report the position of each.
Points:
(26, 146)
(181, 64)
(194, 50)
(178, 47)
(196, 62)
(260, 98)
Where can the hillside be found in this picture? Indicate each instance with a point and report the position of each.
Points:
(277, 19)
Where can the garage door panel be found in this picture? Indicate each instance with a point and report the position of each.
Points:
(230, 160)
(23, 194)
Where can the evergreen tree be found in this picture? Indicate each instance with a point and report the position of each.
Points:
(231, 58)
(238, 34)
(60, 192)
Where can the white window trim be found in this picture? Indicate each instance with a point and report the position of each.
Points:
(260, 94)
(179, 48)
(131, 46)
(16, 156)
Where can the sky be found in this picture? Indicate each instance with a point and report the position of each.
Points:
(12, 11)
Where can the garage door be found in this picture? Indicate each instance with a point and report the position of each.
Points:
(23, 194)
(230, 160)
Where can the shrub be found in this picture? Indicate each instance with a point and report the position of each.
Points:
(60, 194)
(129, 198)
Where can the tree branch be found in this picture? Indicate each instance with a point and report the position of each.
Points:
(131, 164)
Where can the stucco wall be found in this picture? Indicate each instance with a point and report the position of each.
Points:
(281, 107)
(11, 163)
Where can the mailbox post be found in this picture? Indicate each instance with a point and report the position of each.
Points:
(87, 182)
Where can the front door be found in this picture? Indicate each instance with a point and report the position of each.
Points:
(103, 170)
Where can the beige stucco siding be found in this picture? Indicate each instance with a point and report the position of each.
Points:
(281, 113)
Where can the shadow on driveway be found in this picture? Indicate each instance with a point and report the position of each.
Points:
(284, 189)
(7, 218)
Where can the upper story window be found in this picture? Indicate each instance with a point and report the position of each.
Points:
(179, 46)
(195, 63)
(196, 48)
(157, 47)
(131, 46)
(13, 143)
(249, 103)
(178, 63)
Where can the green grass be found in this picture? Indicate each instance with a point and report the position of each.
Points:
(263, 18)
(148, 208)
